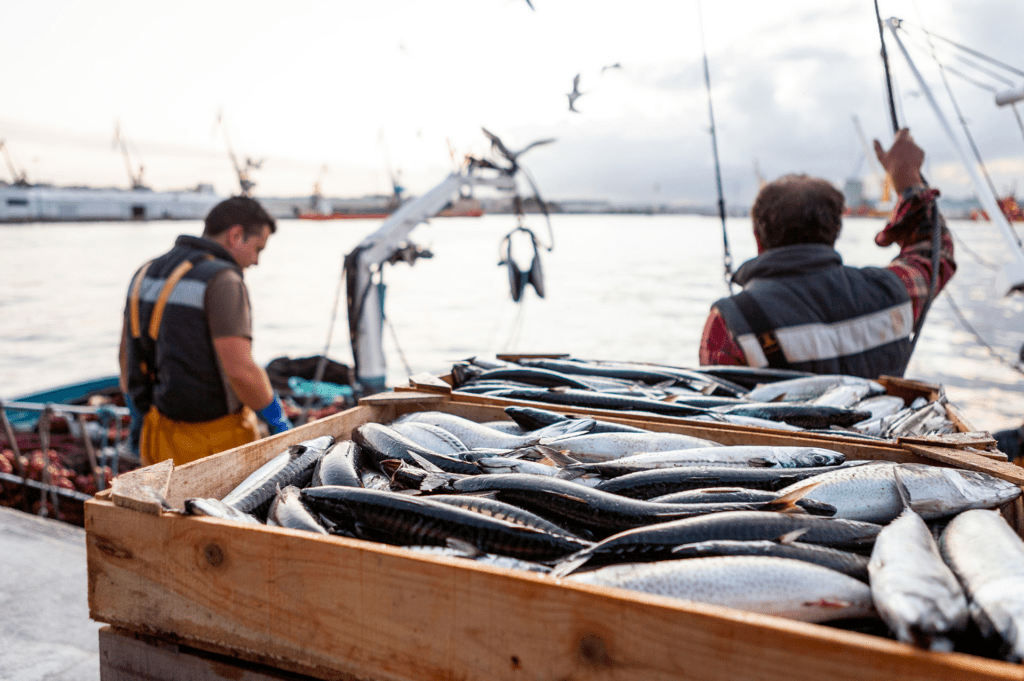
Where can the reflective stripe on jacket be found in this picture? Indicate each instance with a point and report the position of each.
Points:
(802, 309)
(172, 364)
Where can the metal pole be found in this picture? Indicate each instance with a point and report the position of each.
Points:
(1014, 271)
(91, 453)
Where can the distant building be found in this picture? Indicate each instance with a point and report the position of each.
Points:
(853, 192)
(45, 203)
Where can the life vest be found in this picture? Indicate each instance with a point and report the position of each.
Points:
(802, 309)
(172, 364)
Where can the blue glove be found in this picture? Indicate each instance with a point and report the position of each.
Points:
(273, 415)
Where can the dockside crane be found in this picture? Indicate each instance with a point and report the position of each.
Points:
(245, 181)
(121, 143)
(19, 177)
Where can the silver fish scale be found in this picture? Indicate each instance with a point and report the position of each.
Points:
(988, 558)
(773, 586)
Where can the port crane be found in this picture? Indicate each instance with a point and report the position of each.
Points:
(121, 143)
(364, 265)
(19, 177)
(245, 181)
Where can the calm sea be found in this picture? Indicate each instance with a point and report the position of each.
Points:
(618, 287)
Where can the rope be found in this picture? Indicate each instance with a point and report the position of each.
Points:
(974, 256)
(1016, 366)
(968, 50)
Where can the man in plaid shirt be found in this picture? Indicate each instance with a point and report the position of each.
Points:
(801, 308)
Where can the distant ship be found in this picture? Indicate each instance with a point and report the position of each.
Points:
(46, 203)
(463, 207)
(1011, 209)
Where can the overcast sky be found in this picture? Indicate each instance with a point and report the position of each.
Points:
(367, 86)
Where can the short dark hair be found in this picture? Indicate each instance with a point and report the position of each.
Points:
(238, 210)
(797, 209)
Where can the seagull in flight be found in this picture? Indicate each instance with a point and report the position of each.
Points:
(616, 65)
(575, 94)
(512, 156)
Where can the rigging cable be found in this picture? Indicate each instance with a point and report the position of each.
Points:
(933, 286)
(727, 257)
(1016, 366)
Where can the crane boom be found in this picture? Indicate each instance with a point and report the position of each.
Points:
(18, 176)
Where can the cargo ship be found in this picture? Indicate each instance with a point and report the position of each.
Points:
(47, 203)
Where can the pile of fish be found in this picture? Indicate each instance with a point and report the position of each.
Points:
(796, 532)
(771, 398)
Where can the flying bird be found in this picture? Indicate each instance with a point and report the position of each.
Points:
(616, 65)
(531, 5)
(575, 94)
(512, 156)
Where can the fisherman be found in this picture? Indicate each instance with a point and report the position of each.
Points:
(186, 343)
(801, 308)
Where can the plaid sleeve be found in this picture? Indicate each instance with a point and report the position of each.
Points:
(717, 346)
(911, 228)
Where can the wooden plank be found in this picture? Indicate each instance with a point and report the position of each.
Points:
(135, 489)
(971, 462)
(383, 612)
(428, 382)
(130, 656)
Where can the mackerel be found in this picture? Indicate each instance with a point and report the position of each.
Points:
(771, 586)
(502, 511)
(656, 542)
(464, 550)
(662, 481)
(797, 414)
(915, 593)
(431, 437)
(215, 508)
(532, 418)
(287, 510)
(599, 512)
(870, 493)
(475, 435)
(809, 388)
(728, 495)
(852, 564)
(400, 519)
(593, 448)
(380, 442)
(739, 455)
(294, 466)
(339, 466)
(988, 558)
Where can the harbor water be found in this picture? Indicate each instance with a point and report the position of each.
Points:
(617, 287)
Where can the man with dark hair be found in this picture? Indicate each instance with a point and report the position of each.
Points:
(186, 343)
(801, 308)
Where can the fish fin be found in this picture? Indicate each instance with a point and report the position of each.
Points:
(901, 487)
(410, 492)
(791, 537)
(760, 462)
(778, 398)
(570, 473)
(787, 503)
(570, 564)
(423, 463)
(557, 458)
(667, 383)
(471, 550)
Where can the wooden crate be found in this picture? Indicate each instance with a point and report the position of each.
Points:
(337, 608)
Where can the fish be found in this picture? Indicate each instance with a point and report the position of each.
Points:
(662, 481)
(294, 466)
(740, 420)
(987, 557)
(845, 395)
(723, 495)
(852, 564)
(757, 456)
(656, 542)
(287, 510)
(399, 519)
(532, 418)
(798, 414)
(628, 373)
(215, 508)
(599, 400)
(431, 437)
(869, 493)
(880, 405)
(752, 377)
(809, 387)
(339, 466)
(380, 442)
(914, 591)
(772, 586)
(599, 512)
(594, 448)
(533, 376)
(475, 435)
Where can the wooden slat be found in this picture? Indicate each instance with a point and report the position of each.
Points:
(130, 656)
(971, 462)
(331, 607)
